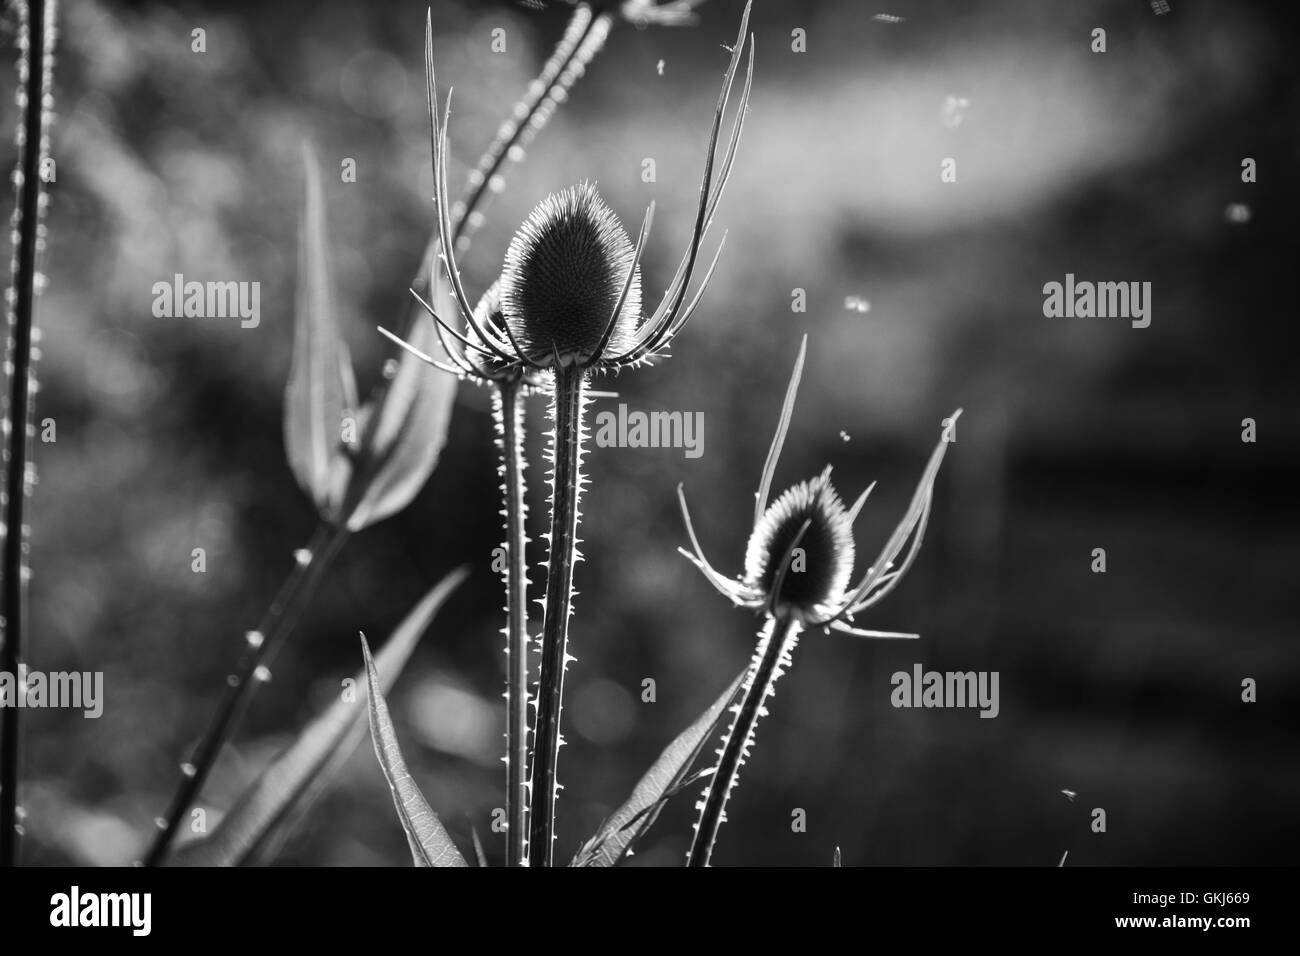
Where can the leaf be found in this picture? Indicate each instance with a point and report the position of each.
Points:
(430, 844)
(273, 796)
(835, 860)
(406, 430)
(665, 778)
(321, 388)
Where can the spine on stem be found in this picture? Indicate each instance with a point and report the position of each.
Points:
(771, 658)
(567, 440)
(509, 413)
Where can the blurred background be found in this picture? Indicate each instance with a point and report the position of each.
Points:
(922, 297)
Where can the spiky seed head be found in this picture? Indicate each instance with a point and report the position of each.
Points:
(818, 573)
(563, 274)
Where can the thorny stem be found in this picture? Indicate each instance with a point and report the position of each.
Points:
(260, 649)
(770, 660)
(566, 489)
(33, 144)
(510, 420)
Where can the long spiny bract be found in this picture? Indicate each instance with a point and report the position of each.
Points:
(771, 659)
(566, 451)
(508, 410)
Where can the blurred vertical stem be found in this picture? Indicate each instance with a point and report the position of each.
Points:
(260, 649)
(35, 77)
(583, 38)
(584, 35)
(510, 419)
(566, 489)
(770, 658)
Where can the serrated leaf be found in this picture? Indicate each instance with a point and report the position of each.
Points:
(408, 428)
(430, 844)
(664, 779)
(274, 795)
(321, 388)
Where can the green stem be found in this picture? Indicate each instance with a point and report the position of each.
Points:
(566, 488)
(32, 145)
(260, 649)
(510, 421)
(770, 659)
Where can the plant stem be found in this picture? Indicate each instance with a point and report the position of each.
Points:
(260, 649)
(32, 144)
(510, 438)
(566, 488)
(770, 660)
(584, 35)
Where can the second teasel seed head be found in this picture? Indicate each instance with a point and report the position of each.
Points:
(808, 532)
(563, 274)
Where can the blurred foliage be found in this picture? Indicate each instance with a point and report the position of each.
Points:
(1077, 434)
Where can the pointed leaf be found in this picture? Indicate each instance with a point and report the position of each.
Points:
(430, 844)
(663, 780)
(321, 389)
(405, 433)
(275, 794)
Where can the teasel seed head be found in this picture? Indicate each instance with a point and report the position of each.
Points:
(800, 554)
(564, 273)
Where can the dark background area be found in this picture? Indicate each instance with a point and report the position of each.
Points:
(1076, 434)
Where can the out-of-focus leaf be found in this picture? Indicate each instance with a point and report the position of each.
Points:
(430, 844)
(277, 791)
(321, 389)
(406, 431)
(661, 781)
(835, 861)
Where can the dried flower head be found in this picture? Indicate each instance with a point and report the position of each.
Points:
(799, 560)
